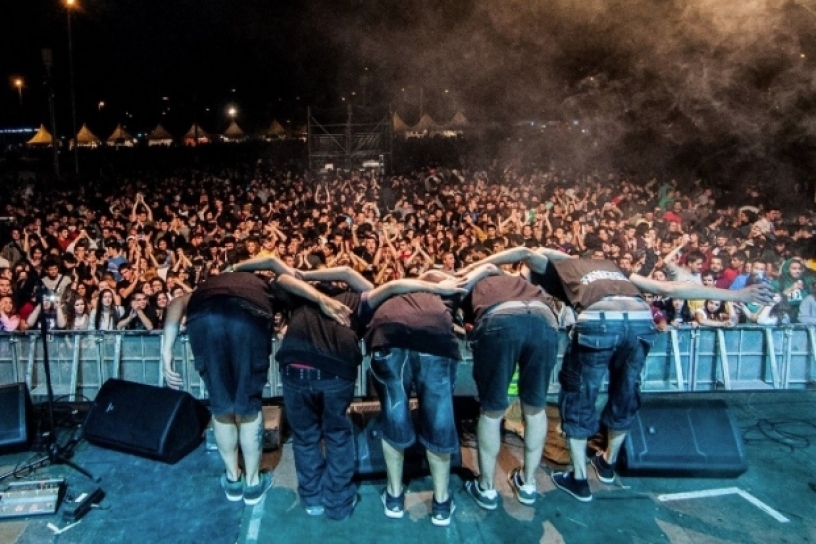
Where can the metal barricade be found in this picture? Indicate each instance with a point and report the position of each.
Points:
(685, 359)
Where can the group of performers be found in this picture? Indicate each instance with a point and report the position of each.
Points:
(407, 326)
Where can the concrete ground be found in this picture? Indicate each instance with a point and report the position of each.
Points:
(773, 501)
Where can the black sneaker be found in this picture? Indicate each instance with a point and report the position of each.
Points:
(394, 507)
(525, 493)
(577, 488)
(254, 494)
(353, 506)
(233, 490)
(489, 500)
(441, 511)
(605, 471)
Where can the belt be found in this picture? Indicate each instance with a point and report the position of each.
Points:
(310, 373)
(603, 315)
(515, 305)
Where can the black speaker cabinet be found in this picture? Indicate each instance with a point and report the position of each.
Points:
(684, 438)
(154, 422)
(16, 419)
(369, 459)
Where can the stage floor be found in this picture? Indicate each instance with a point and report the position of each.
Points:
(147, 501)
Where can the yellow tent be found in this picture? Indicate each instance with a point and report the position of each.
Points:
(120, 137)
(275, 130)
(43, 137)
(459, 120)
(159, 136)
(86, 138)
(234, 133)
(196, 135)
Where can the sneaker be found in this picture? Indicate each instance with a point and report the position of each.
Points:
(233, 490)
(394, 507)
(441, 511)
(316, 510)
(254, 494)
(353, 506)
(605, 471)
(489, 500)
(577, 488)
(525, 493)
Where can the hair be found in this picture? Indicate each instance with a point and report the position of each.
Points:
(99, 309)
(684, 313)
(70, 312)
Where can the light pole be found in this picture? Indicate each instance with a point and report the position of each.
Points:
(18, 82)
(69, 4)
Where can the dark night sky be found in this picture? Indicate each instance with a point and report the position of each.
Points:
(737, 75)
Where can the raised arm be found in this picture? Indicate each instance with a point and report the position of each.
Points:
(402, 287)
(266, 263)
(340, 273)
(172, 324)
(759, 293)
(508, 256)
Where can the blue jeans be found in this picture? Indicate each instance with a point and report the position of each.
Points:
(394, 372)
(316, 403)
(619, 347)
(231, 349)
(499, 341)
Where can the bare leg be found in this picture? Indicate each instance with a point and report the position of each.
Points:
(615, 439)
(577, 448)
(535, 433)
(250, 430)
(489, 436)
(440, 474)
(225, 432)
(394, 461)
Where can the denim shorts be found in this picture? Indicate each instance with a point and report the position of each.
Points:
(595, 348)
(394, 372)
(231, 349)
(526, 336)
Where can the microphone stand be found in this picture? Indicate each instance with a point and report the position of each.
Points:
(55, 453)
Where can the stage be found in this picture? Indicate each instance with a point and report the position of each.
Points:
(148, 501)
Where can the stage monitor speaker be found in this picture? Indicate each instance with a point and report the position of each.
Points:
(154, 422)
(369, 459)
(16, 418)
(684, 438)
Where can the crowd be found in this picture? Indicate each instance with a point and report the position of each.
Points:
(414, 253)
(112, 257)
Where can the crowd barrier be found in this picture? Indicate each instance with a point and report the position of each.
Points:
(686, 359)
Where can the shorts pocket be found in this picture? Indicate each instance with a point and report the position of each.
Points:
(597, 341)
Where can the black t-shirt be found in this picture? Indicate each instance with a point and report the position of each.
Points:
(494, 290)
(418, 321)
(314, 339)
(583, 282)
(259, 296)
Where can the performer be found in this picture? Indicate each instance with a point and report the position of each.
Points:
(613, 333)
(229, 320)
(514, 324)
(318, 361)
(412, 342)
